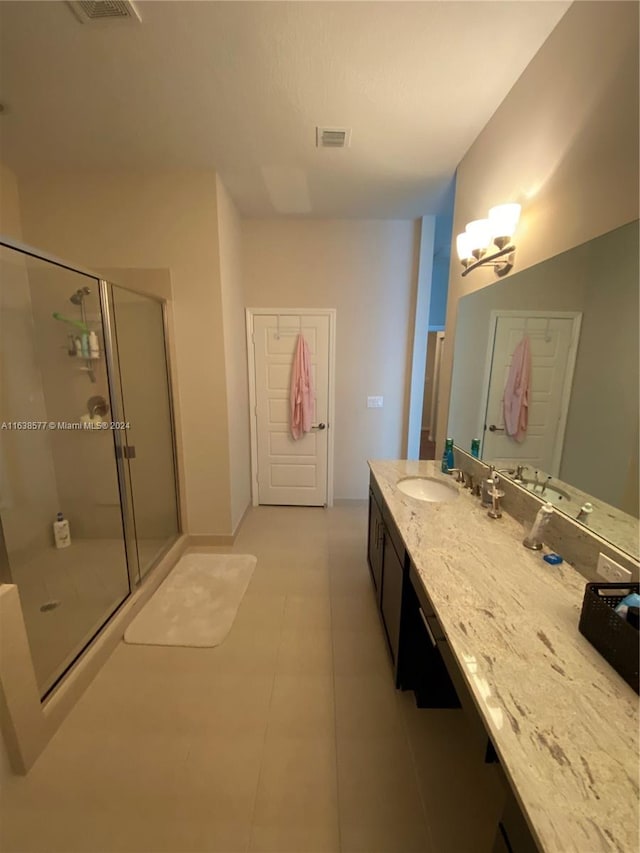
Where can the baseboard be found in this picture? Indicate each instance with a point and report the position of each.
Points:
(242, 518)
(195, 541)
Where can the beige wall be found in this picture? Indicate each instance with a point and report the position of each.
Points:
(367, 271)
(166, 220)
(10, 217)
(235, 348)
(564, 143)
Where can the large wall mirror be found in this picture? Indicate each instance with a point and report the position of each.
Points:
(577, 316)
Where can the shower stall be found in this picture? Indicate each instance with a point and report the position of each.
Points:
(86, 431)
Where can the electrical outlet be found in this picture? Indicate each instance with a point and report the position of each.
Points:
(610, 570)
(375, 402)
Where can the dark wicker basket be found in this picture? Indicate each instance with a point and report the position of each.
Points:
(609, 633)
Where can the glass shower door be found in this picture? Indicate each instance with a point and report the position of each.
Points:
(146, 403)
(57, 455)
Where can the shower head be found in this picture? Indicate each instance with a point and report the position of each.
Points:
(79, 295)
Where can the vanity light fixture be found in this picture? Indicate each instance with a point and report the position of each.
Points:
(495, 231)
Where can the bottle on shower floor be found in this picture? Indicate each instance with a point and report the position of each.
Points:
(61, 532)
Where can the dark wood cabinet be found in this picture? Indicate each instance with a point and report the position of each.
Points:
(388, 564)
(391, 599)
(376, 543)
(513, 834)
(422, 657)
(424, 670)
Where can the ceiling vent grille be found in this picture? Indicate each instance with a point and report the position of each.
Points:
(333, 137)
(88, 11)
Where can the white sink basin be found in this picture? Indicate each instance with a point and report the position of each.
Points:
(427, 489)
(555, 496)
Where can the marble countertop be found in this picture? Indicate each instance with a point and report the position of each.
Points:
(563, 722)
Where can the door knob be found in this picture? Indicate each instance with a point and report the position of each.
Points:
(494, 428)
(319, 426)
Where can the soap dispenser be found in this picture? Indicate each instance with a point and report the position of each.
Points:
(488, 485)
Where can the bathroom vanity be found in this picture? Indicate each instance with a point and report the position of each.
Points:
(473, 619)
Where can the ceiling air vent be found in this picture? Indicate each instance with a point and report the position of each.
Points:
(88, 11)
(332, 137)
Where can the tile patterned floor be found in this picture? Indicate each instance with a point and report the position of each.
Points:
(288, 738)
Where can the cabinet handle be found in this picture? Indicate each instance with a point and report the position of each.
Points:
(426, 625)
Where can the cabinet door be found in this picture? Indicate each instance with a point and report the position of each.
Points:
(391, 602)
(376, 537)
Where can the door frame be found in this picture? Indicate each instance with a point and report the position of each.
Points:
(250, 313)
(435, 393)
(576, 316)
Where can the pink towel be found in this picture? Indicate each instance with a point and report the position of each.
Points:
(516, 391)
(301, 395)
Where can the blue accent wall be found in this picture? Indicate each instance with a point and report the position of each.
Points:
(441, 260)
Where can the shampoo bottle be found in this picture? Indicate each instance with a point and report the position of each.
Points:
(61, 532)
(94, 349)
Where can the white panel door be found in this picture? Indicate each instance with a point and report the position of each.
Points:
(553, 350)
(290, 472)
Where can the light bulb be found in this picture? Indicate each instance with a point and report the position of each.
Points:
(504, 219)
(463, 245)
(479, 232)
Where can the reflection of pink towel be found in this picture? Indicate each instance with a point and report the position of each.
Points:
(516, 391)
(301, 395)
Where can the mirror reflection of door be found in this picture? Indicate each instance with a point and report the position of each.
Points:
(554, 344)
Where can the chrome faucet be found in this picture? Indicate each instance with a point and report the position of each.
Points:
(520, 469)
(544, 485)
(459, 474)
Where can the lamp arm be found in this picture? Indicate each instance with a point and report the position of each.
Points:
(488, 260)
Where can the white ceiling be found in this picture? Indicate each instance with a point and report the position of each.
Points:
(241, 86)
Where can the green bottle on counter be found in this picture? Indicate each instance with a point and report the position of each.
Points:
(447, 457)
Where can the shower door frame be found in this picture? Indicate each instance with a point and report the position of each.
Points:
(105, 294)
(122, 456)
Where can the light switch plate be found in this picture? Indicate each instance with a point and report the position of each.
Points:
(375, 402)
(610, 570)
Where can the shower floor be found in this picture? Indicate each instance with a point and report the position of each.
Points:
(79, 587)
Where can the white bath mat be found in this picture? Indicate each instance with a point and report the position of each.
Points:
(196, 604)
